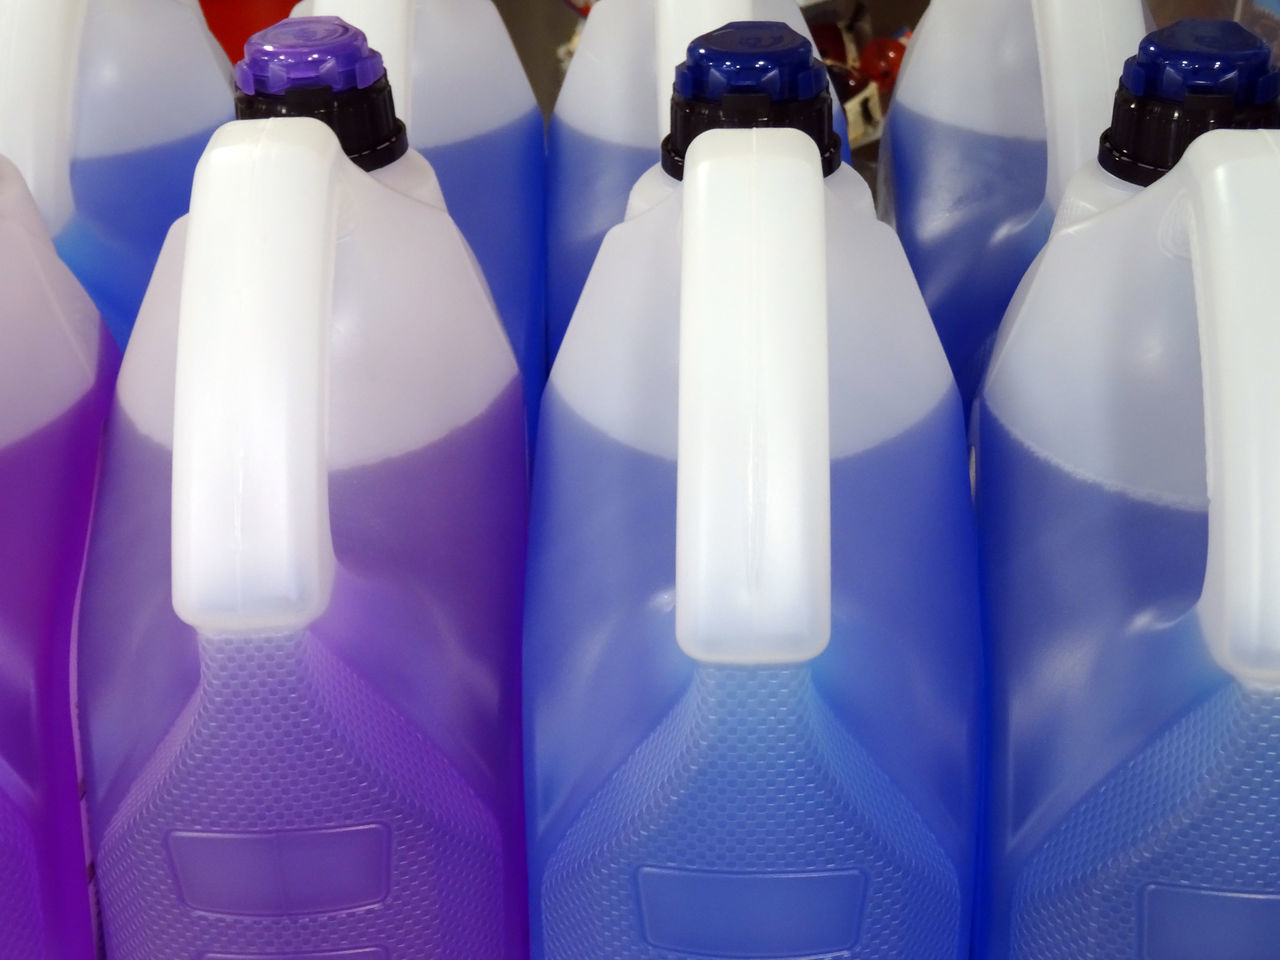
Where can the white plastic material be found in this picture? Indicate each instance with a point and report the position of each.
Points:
(753, 519)
(247, 272)
(50, 327)
(39, 40)
(1082, 45)
(615, 77)
(433, 49)
(1029, 69)
(252, 550)
(1138, 382)
(150, 73)
(889, 359)
(1233, 189)
(679, 21)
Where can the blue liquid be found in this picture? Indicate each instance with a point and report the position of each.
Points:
(806, 809)
(588, 183)
(494, 186)
(125, 204)
(1134, 786)
(971, 214)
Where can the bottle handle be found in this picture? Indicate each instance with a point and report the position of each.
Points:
(1230, 184)
(1082, 45)
(753, 502)
(389, 26)
(252, 549)
(37, 100)
(679, 23)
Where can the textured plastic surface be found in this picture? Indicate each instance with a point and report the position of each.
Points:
(55, 380)
(753, 515)
(1133, 644)
(311, 51)
(350, 786)
(106, 111)
(487, 147)
(668, 800)
(979, 158)
(605, 131)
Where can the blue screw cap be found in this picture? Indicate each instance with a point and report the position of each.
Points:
(308, 52)
(1203, 58)
(751, 58)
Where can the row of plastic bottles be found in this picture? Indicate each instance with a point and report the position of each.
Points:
(736, 700)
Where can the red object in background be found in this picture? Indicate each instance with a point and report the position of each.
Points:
(881, 59)
(829, 39)
(235, 21)
(583, 7)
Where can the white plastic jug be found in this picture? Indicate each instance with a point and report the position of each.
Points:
(1126, 456)
(461, 90)
(752, 636)
(299, 642)
(105, 106)
(609, 121)
(998, 105)
(56, 372)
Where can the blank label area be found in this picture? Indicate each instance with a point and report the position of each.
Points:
(283, 874)
(751, 915)
(1183, 923)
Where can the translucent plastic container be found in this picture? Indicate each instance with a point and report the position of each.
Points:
(752, 639)
(998, 104)
(299, 657)
(463, 94)
(1125, 455)
(609, 121)
(55, 381)
(106, 110)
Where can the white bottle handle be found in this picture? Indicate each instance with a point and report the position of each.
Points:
(389, 26)
(753, 513)
(252, 550)
(1232, 185)
(39, 77)
(680, 22)
(1083, 45)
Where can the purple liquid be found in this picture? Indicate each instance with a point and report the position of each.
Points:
(352, 787)
(46, 488)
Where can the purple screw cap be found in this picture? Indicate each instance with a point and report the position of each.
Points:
(308, 52)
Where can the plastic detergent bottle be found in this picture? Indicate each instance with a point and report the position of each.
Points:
(752, 634)
(999, 103)
(611, 116)
(300, 627)
(105, 112)
(55, 380)
(1125, 462)
(470, 110)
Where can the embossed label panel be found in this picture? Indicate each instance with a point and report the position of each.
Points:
(285, 873)
(1186, 923)
(372, 953)
(797, 915)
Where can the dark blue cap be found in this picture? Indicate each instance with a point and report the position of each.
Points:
(751, 58)
(308, 52)
(1203, 58)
